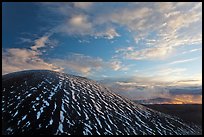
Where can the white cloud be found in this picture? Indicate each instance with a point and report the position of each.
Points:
(170, 71)
(109, 33)
(150, 53)
(126, 16)
(139, 18)
(182, 61)
(39, 43)
(86, 65)
(181, 20)
(193, 50)
(78, 24)
(126, 49)
(116, 65)
(147, 53)
(83, 5)
(73, 67)
(165, 6)
(15, 59)
(172, 27)
(25, 40)
(81, 25)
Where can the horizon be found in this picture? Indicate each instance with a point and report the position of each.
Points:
(139, 50)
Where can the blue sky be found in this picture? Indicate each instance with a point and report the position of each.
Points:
(161, 42)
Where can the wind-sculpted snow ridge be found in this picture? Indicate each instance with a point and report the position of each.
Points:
(47, 102)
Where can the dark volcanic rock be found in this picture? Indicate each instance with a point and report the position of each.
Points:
(47, 102)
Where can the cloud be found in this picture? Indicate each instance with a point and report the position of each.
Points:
(79, 64)
(144, 88)
(193, 50)
(25, 40)
(139, 92)
(125, 16)
(165, 6)
(126, 49)
(110, 33)
(83, 5)
(115, 65)
(182, 61)
(164, 27)
(18, 59)
(186, 91)
(76, 25)
(174, 24)
(178, 21)
(15, 59)
(147, 53)
(73, 67)
(141, 18)
(85, 65)
(162, 82)
(39, 43)
(170, 71)
(81, 25)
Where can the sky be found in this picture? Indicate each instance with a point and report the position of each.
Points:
(144, 50)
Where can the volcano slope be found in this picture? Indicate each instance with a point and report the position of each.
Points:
(44, 102)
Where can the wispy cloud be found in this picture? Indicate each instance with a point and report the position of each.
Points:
(193, 50)
(171, 24)
(148, 53)
(182, 61)
(17, 59)
(39, 43)
(170, 71)
(109, 33)
(161, 27)
(85, 65)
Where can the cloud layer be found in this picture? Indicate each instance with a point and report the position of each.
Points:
(159, 27)
(141, 88)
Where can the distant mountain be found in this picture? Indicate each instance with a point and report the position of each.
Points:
(42, 102)
(159, 100)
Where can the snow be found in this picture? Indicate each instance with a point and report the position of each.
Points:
(98, 122)
(38, 114)
(61, 116)
(24, 117)
(87, 131)
(18, 122)
(60, 127)
(15, 113)
(47, 104)
(29, 95)
(51, 121)
(9, 129)
(86, 116)
(73, 96)
(27, 124)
